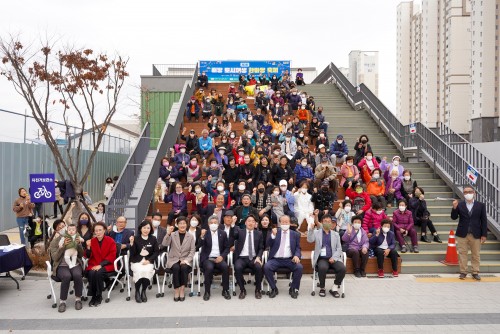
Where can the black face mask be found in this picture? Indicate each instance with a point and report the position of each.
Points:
(325, 189)
(261, 190)
(364, 141)
(266, 141)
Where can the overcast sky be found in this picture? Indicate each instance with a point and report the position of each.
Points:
(309, 33)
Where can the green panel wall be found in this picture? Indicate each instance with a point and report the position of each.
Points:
(155, 107)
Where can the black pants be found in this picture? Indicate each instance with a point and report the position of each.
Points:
(393, 255)
(359, 259)
(33, 239)
(241, 264)
(424, 223)
(96, 281)
(379, 199)
(208, 271)
(172, 216)
(323, 266)
(67, 275)
(56, 205)
(180, 274)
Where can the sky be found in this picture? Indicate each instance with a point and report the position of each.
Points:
(312, 33)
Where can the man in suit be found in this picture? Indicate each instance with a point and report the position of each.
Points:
(158, 231)
(249, 247)
(228, 227)
(216, 209)
(471, 231)
(284, 252)
(121, 234)
(215, 248)
(327, 252)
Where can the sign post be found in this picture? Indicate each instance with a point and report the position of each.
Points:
(413, 128)
(472, 174)
(43, 190)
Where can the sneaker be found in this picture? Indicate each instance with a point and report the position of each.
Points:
(476, 277)
(415, 249)
(462, 276)
(403, 249)
(381, 273)
(395, 274)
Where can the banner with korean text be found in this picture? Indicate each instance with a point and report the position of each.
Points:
(230, 71)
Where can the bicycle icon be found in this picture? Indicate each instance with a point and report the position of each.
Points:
(42, 192)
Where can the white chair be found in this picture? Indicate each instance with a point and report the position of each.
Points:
(287, 271)
(121, 272)
(245, 271)
(329, 271)
(168, 274)
(53, 279)
(196, 260)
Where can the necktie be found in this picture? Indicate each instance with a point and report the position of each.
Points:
(281, 251)
(250, 248)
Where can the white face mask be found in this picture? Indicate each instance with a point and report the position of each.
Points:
(321, 135)
(402, 208)
(288, 139)
(356, 226)
(197, 190)
(304, 164)
(231, 136)
(194, 223)
(283, 188)
(220, 188)
(276, 152)
(469, 197)
(221, 152)
(394, 177)
(349, 164)
(407, 178)
(156, 223)
(241, 153)
(376, 176)
(183, 150)
(347, 209)
(379, 211)
(241, 187)
(214, 227)
(369, 158)
(285, 227)
(339, 142)
(385, 229)
(276, 193)
(395, 163)
(304, 190)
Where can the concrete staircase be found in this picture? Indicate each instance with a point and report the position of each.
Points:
(344, 120)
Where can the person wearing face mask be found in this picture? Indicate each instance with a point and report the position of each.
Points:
(304, 207)
(393, 189)
(220, 156)
(370, 162)
(239, 155)
(303, 172)
(234, 142)
(372, 219)
(289, 146)
(218, 104)
(307, 154)
(181, 160)
(344, 216)
(195, 228)
(339, 150)
(471, 232)
(394, 166)
(303, 115)
(231, 173)
(283, 172)
(408, 185)
(212, 172)
(361, 201)
(159, 231)
(165, 173)
(193, 109)
(205, 143)
(193, 171)
(375, 186)
(358, 244)
(260, 199)
(179, 203)
(421, 216)
(323, 199)
(402, 220)
(327, 252)
(206, 107)
(108, 188)
(284, 252)
(349, 172)
(247, 170)
(192, 142)
(326, 172)
(214, 251)
(314, 128)
(361, 147)
(84, 227)
(322, 140)
(294, 100)
(237, 194)
(198, 198)
(276, 126)
(384, 244)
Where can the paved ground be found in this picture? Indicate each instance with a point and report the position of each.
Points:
(372, 305)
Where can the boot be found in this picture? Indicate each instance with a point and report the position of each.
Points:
(424, 238)
(145, 284)
(138, 292)
(437, 239)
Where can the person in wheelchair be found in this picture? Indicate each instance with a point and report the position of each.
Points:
(61, 269)
(101, 252)
(215, 249)
(327, 252)
(249, 246)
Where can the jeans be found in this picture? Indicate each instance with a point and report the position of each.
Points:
(21, 223)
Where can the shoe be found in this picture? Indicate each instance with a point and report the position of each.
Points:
(322, 292)
(363, 273)
(437, 239)
(206, 296)
(357, 273)
(334, 293)
(403, 249)
(138, 296)
(395, 274)
(176, 299)
(462, 276)
(62, 307)
(144, 298)
(476, 277)
(294, 293)
(424, 239)
(226, 294)
(92, 302)
(273, 293)
(98, 301)
(242, 295)
(381, 273)
(181, 299)
(415, 249)
(78, 305)
(258, 294)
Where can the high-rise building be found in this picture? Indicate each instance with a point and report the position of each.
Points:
(363, 68)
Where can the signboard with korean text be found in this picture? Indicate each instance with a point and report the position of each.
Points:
(230, 71)
(42, 188)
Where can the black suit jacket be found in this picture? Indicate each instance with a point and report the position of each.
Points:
(230, 237)
(207, 212)
(206, 244)
(477, 220)
(240, 236)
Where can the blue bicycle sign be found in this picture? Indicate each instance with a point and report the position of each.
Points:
(42, 188)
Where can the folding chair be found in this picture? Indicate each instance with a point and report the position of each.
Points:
(53, 279)
(168, 274)
(216, 271)
(329, 271)
(284, 271)
(121, 271)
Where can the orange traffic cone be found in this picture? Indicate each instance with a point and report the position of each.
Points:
(451, 258)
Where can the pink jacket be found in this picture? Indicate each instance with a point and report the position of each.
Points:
(344, 170)
(372, 220)
(402, 220)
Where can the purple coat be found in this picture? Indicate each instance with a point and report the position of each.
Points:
(402, 220)
(179, 201)
(396, 184)
(387, 167)
(352, 240)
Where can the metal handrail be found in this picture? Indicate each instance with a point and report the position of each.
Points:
(449, 153)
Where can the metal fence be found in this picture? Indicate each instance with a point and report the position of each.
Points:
(23, 128)
(174, 69)
(449, 153)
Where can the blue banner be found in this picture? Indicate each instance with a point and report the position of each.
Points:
(42, 188)
(230, 71)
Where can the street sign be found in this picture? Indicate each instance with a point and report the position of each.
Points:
(472, 174)
(413, 128)
(42, 188)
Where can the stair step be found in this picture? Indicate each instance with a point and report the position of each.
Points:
(418, 267)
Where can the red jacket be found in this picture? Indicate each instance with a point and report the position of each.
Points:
(372, 220)
(107, 251)
(352, 195)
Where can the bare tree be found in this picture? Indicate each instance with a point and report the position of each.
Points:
(67, 84)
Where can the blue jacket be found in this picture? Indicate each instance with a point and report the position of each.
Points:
(377, 241)
(180, 157)
(290, 200)
(339, 149)
(205, 144)
(274, 244)
(303, 172)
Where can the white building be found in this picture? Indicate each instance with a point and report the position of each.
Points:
(363, 68)
(344, 71)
